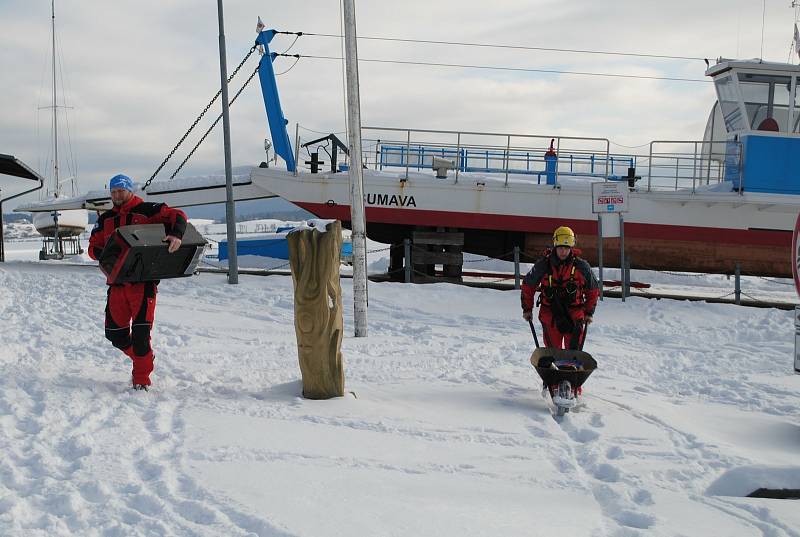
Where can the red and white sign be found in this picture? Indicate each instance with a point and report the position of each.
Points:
(610, 197)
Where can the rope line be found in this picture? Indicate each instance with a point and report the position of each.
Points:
(208, 131)
(514, 69)
(196, 121)
(515, 47)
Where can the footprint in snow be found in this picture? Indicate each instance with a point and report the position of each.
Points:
(632, 519)
(615, 452)
(607, 473)
(643, 497)
(196, 512)
(147, 504)
(584, 435)
(94, 492)
(597, 421)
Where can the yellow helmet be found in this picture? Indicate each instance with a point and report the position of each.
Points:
(563, 236)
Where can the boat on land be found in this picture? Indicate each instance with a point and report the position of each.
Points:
(725, 202)
(60, 229)
(719, 204)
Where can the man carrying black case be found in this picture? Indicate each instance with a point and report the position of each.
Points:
(130, 308)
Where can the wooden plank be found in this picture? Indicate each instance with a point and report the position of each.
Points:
(421, 257)
(438, 238)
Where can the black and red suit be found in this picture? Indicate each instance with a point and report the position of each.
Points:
(130, 308)
(568, 291)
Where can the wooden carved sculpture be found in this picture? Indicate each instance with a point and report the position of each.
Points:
(314, 258)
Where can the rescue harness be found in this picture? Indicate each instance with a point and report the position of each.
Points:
(560, 294)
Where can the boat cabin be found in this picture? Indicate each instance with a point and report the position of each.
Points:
(758, 114)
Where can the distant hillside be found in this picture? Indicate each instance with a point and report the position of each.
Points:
(275, 208)
(16, 217)
(19, 230)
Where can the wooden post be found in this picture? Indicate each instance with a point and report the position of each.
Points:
(314, 258)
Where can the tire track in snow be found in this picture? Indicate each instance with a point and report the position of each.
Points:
(700, 457)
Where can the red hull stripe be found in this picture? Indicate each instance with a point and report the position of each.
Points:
(537, 224)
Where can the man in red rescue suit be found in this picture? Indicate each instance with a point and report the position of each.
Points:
(130, 308)
(568, 291)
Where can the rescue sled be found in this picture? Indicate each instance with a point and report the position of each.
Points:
(563, 371)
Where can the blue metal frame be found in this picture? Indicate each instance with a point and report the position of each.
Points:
(420, 157)
(272, 102)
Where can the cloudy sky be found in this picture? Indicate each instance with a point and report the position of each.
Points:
(136, 73)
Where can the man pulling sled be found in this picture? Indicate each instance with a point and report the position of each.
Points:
(568, 293)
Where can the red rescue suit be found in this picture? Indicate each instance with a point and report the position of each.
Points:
(130, 307)
(568, 292)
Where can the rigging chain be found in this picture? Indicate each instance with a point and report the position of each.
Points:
(202, 138)
(196, 121)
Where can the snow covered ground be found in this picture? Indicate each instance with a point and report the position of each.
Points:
(443, 431)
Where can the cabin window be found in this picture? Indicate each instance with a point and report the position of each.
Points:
(796, 124)
(766, 99)
(729, 104)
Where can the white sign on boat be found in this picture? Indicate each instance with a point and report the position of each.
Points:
(610, 197)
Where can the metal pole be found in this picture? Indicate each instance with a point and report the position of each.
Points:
(56, 241)
(627, 276)
(600, 251)
(508, 156)
(797, 339)
(622, 254)
(407, 259)
(230, 206)
(56, 185)
(516, 267)
(737, 289)
(55, 109)
(458, 156)
(358, 222)
(408, 150)
(296, 146)
(677, 170)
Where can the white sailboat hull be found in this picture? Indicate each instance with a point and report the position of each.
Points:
(70, 223)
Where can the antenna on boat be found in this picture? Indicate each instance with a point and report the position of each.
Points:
(763, 16)
(794, 46)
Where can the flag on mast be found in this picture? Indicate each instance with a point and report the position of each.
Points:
(796, 40)
(260, 27)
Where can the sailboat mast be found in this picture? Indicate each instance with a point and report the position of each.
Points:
(55, 110)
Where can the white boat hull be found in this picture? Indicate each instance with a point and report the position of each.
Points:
(70, 223)
(704, 232)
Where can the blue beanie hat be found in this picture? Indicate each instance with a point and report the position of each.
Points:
(121, 181)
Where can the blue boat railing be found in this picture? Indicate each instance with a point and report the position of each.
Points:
(667, 165)
(493, 153)
(691, 165)
(524, 162)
